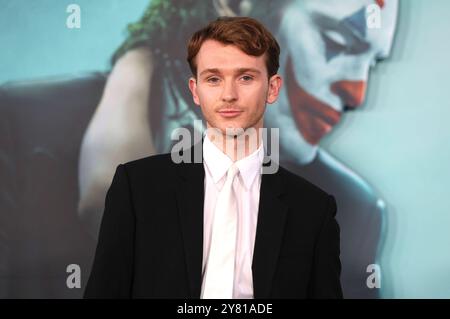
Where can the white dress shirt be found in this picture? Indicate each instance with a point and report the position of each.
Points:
(246, 186)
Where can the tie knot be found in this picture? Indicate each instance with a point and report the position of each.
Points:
(232, 171)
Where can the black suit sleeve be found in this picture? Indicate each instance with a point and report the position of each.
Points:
(325, 281)
(112, 270)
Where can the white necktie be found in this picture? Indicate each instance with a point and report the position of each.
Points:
(219, 275)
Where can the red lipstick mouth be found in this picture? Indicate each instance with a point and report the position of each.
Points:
(313, 117)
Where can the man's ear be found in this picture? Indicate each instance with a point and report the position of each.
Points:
(275, 83)
(193, 88)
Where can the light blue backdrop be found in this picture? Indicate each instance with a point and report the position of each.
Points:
(400, 142)
(35, 41)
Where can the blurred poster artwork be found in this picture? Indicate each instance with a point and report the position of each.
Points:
(61, 138)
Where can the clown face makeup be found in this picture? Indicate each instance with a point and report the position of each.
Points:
(327, 52)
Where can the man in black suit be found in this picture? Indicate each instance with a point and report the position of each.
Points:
(219, 227)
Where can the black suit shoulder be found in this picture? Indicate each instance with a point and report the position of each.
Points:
(297, 181)
(299, 189)
(152, 162)
(151, 179)
(158, 168)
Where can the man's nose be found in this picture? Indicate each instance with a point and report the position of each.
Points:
(351, 93)
(229, 93)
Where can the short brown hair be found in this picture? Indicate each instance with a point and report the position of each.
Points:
(246, 33)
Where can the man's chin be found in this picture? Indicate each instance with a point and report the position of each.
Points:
(229, 132)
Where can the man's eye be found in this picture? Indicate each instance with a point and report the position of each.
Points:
(247, 78)
(212, 80)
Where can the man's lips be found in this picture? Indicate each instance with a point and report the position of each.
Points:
(230, 112)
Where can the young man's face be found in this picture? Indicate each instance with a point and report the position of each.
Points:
(232, 88)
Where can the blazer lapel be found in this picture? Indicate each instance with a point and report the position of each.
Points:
(269, 233)
(190, 198)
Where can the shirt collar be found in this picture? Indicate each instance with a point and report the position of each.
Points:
(218, 163)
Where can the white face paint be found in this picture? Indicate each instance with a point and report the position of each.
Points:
(326, 53)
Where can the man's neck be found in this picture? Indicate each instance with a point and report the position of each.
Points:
(237, 147)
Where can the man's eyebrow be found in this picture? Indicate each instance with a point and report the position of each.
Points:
(245, 70)
(209, 71)
(238, 71)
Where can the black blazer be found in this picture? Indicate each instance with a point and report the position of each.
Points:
(151, 237)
